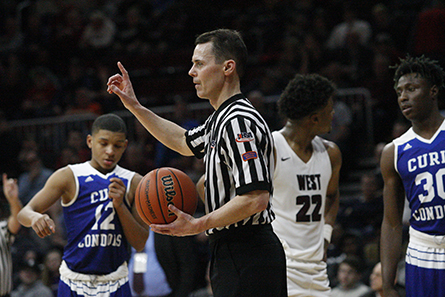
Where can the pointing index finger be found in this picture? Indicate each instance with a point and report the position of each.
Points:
(122, 69)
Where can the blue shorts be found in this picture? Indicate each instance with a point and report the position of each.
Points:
(424, 282)
(425, 265)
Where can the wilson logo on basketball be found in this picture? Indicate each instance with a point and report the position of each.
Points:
(169, 191)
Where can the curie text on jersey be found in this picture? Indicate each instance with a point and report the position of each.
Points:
(422, 161)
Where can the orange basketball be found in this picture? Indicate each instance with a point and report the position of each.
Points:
(161, 187)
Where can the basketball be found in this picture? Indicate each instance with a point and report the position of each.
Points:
(161, 187)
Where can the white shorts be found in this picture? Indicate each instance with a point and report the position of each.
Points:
(307, 279)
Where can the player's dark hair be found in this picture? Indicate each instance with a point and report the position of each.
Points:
(424, 66)
(227, 44)
(109, 122)
(304, 95)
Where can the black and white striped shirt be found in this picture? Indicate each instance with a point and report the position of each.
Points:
(237, 148)
(5, 259)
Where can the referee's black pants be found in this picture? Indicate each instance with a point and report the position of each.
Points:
(247, 261)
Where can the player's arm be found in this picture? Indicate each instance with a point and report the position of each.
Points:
(167, 132)
(135, 230)
(333, 192)
(391, 233)
(237, 209)
(11, 192)
(60, 184)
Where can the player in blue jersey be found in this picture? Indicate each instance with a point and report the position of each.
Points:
(100, 217)
(413, 166)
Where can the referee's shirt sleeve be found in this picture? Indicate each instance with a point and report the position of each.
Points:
(242, 146)
(195, 139)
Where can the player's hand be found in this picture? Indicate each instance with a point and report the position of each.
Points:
(184, 225)
(116, 191)
(10, 188)
(120, 85)
(43, 226)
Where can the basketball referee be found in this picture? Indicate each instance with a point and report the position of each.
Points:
(237, 147)
(8, 228)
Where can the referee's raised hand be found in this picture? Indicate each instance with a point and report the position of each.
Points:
(120, 84)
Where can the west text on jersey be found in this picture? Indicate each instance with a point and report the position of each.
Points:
(309, 181)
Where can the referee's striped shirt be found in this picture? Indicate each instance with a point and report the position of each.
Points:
(5, 259)
(237, 148)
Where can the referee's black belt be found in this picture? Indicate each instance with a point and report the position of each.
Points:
(240, 231)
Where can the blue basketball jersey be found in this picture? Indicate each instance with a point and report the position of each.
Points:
(421, 165)
(96, 241)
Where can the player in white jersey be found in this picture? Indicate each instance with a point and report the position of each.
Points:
(306, 191)
(413, 166)
(99, 213)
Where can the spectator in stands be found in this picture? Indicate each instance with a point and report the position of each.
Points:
(363, 214)
(341, 133)
(67, 155)
(9, 154)
(98, 36)
(429, 33)
(13, 85)
(30, 281)
(268, 111)
(351, 24)
(376, 282)
(50, 271)
(76, 140)
(182, 116)
(132, 35)
(136, 159)
(349, 244)
(84, 103)
(34, 176)
(67, 34)
(349, 277)
(41, 97)
(384, 104)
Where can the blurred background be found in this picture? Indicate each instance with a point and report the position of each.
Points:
(56, 57)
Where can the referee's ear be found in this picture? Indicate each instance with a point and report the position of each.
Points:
(229, 67)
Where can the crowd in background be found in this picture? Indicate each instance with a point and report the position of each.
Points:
(55, 57)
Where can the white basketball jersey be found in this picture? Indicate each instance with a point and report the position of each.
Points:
(299, 199)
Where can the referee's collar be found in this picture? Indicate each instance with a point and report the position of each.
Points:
(230, 100)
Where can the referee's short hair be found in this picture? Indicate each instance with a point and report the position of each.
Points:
(227, 44)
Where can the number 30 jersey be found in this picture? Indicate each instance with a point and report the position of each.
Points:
(96, 241)
(299, 199)
(420, 163)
